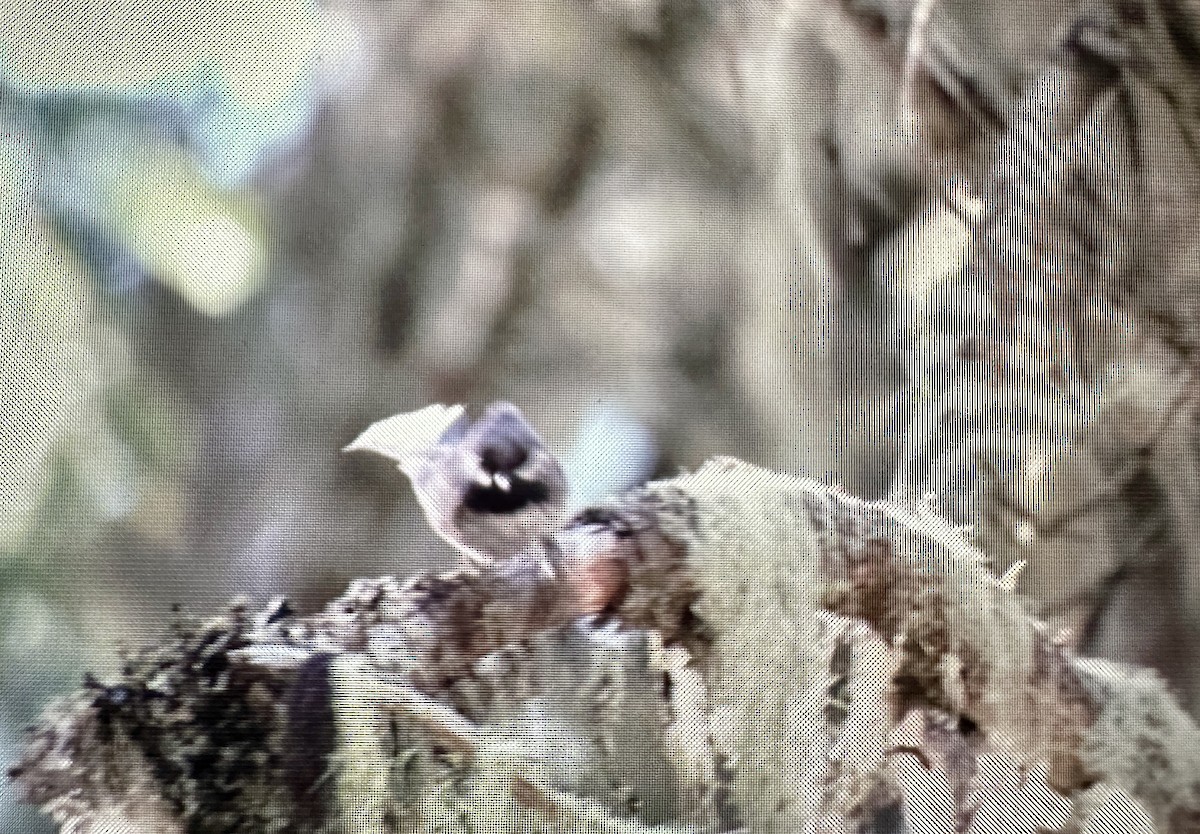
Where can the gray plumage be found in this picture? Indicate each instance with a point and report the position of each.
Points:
(490, 487)
(507, 490)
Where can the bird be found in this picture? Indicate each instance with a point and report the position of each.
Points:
(490, 487)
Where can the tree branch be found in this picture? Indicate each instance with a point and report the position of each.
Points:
(734, 563)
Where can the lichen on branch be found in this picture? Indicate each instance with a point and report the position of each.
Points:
(809, 622)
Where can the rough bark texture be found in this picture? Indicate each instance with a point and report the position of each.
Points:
(1036, 230)
(437, 726)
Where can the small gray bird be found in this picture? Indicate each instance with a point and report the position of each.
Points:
(491, 487)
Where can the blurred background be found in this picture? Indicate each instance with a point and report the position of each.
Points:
(235, 235)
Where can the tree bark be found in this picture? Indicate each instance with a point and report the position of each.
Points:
(741, 567)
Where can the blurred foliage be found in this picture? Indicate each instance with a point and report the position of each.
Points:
(237, 234)
(127, 133)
